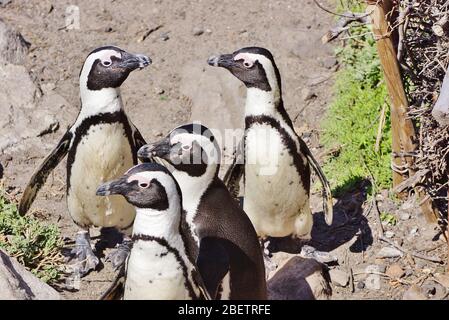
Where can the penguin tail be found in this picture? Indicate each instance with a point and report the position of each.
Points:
(327, 194)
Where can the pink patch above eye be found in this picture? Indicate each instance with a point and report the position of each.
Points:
(248, 61)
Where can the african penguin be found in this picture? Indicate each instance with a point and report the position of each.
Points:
(101, 145)
(158, 266)
(276, 160)
(226, 249)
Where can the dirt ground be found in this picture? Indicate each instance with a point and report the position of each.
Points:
(179, 36)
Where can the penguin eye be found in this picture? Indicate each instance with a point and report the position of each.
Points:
(143, 185)
(248, 64)
(186, 147)
(106, 63)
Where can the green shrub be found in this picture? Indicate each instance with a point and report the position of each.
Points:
(35, 245)
(352, 122)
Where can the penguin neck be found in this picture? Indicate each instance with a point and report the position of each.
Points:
(107, 100)
(266, 103)
(193, 188)
(159, 224)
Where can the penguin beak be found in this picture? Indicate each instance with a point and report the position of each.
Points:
(134, 61)
(118, 186)
(160, 149)
(224, 61)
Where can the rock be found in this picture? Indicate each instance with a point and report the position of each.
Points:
(216, 100)
(414, 231)
(389, 234)
(414, 293)
(395, 271)
(197, 31)
(17, 283)
(339, 277)
(159, 91)
(388, 252)
(443, 279)
(360, 285)
(299, 279)
(404, 216)
(165, 36)
(373, 280)
(13, 47)
(5, 2)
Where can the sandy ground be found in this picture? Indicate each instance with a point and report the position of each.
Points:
(172, 91)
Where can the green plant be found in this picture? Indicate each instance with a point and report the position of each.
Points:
(388, 218)
(35, 245)
(351, 124)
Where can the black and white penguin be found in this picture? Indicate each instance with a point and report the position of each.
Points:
(276, 160)
(158, 267)
(227, 250)
(101, 145)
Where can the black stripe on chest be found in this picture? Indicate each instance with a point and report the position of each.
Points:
(102, 118)
(175, 252)
(302, 167)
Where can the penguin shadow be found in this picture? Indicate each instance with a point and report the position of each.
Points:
(348, 222)
(109, 238)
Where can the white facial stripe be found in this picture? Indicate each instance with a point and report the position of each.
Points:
(208, 146)
(248, 59)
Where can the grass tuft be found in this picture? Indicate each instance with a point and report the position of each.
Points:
(34, 244)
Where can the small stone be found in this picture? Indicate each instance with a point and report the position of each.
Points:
(360, 285)
(414, 293)
(404, 216)
(388, 252)
(159, 91)
(208, 31)
(108, 29)
(395, 271)
(414, 231)
(429, 289)
(339, 277)
(5, 2)
(373, 280)
(197, 31)
(165, 36)
(389, 234)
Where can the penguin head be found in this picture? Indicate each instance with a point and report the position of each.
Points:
(108, 67)
(145, 186)
(254, 66)
(190, 148)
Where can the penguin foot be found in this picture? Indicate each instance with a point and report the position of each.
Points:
(119, 256)
(320, 256)
(87, 260)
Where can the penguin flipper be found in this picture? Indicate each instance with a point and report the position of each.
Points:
(327, 194)
(117, 288)
(235, 172)
(139, 141)
(41, 174)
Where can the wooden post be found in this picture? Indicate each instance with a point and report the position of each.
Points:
(403, 131)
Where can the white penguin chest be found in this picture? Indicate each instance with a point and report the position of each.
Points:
(103, 153)
(274, 193)
(153, 272)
